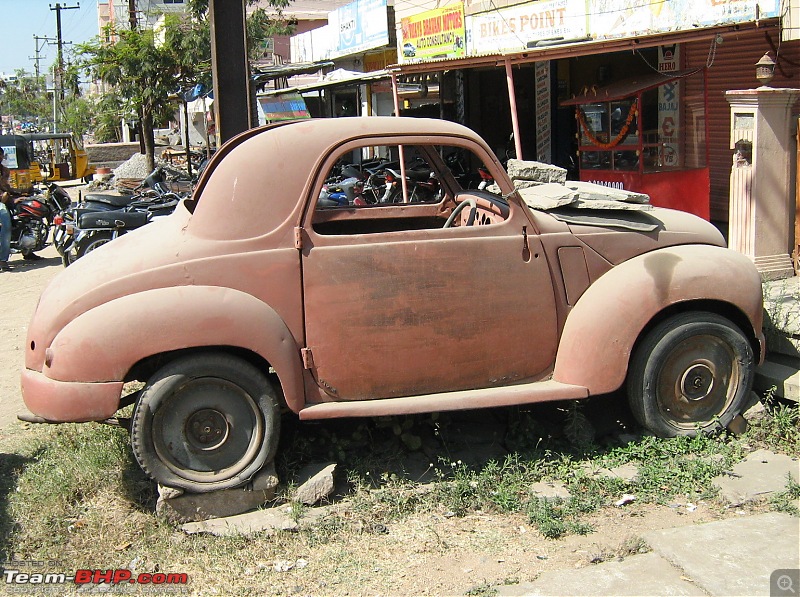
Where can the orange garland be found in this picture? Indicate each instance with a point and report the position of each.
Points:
(616, 140)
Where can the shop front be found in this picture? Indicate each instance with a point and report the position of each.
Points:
(639, 135)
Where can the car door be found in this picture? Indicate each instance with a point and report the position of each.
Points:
(397, 305)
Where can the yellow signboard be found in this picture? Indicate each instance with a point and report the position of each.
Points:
(438, 33)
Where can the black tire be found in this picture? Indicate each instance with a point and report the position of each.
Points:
(90, 242)
(691, 374)
(205, 422)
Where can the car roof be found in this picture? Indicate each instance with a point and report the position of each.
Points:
(255, 181)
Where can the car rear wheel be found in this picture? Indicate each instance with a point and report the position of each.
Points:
(205, 422)
(690, 374)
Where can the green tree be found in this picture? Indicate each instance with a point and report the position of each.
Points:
(145, 71)
(140, 70)
(25, 97)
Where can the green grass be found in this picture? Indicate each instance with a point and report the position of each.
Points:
(74, 493)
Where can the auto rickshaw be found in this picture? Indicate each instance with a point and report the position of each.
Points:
(25, 171)
(61, 156)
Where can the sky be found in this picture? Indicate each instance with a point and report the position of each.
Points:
(20, 20)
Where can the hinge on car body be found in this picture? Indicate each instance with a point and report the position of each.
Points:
(308, 359)
(298, 237)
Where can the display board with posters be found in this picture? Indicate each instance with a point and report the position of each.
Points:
(284, 106)
(438, 33)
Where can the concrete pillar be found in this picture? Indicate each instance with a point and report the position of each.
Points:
(762, 195)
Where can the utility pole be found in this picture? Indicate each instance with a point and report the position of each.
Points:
(37, 50)
(139, 128)
(59, 78)
(132, 14)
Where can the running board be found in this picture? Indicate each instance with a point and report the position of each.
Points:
(540, 391)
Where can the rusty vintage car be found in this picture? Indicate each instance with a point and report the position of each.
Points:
(256, 297)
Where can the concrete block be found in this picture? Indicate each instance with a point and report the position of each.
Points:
(734, 556)
(270, 519)
(760, 474)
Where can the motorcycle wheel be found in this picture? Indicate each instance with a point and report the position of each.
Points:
(205, 422)
(90, 242)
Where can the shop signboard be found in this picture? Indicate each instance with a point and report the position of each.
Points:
(312, 46)
(438, 33)
(622, 18)
(544, 131)
(669, 112)
(515, 27)
(361, 25)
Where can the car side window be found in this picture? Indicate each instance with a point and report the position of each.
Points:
(365, 189)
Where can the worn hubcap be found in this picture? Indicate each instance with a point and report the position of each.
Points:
(207, 429)
(697, 382)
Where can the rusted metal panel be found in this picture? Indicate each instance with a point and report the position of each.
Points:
(541, 391)
(76, 402)
(631, 294)
(427, 311)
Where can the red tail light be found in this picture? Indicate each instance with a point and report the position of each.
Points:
(58, 220)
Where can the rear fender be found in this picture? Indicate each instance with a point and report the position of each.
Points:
(102, 344)
(604, 325)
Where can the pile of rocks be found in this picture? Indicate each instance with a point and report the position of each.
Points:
(544, 186)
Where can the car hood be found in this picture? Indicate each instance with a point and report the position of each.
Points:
(618, 235)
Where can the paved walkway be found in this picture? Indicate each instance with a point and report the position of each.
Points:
(754, 555)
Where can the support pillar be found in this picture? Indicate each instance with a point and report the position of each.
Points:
(762, 187)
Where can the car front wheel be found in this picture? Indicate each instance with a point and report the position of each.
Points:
(205, 422)
(690, 374)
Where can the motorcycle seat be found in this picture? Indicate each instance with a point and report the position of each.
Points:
(108, 198)
(113, 219)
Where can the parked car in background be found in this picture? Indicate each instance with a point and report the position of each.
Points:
(253, 298)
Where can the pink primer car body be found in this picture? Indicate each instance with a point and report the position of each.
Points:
(253, 297)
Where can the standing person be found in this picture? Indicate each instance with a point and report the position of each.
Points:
(5, 216)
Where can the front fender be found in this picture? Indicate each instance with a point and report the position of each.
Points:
(603, 326)
(102, 344)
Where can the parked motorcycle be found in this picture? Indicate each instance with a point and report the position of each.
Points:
(95, 229)
(101, 217)
(32, 219)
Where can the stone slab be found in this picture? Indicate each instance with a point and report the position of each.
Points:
(734, 556)
(550, 491)
(316, 483)
(178, 506)
(271, 519)
(760, 474)
(785, 378)
(645, 574)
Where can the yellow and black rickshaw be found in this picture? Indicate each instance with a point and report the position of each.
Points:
(60, 156)
(25, 171)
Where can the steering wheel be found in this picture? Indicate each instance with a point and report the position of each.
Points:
(472, 203)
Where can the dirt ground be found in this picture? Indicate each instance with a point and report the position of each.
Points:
(449, 556)
(19, 293)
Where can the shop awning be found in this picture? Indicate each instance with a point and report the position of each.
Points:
(265, 74)
(343, 79)
(627, 88)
